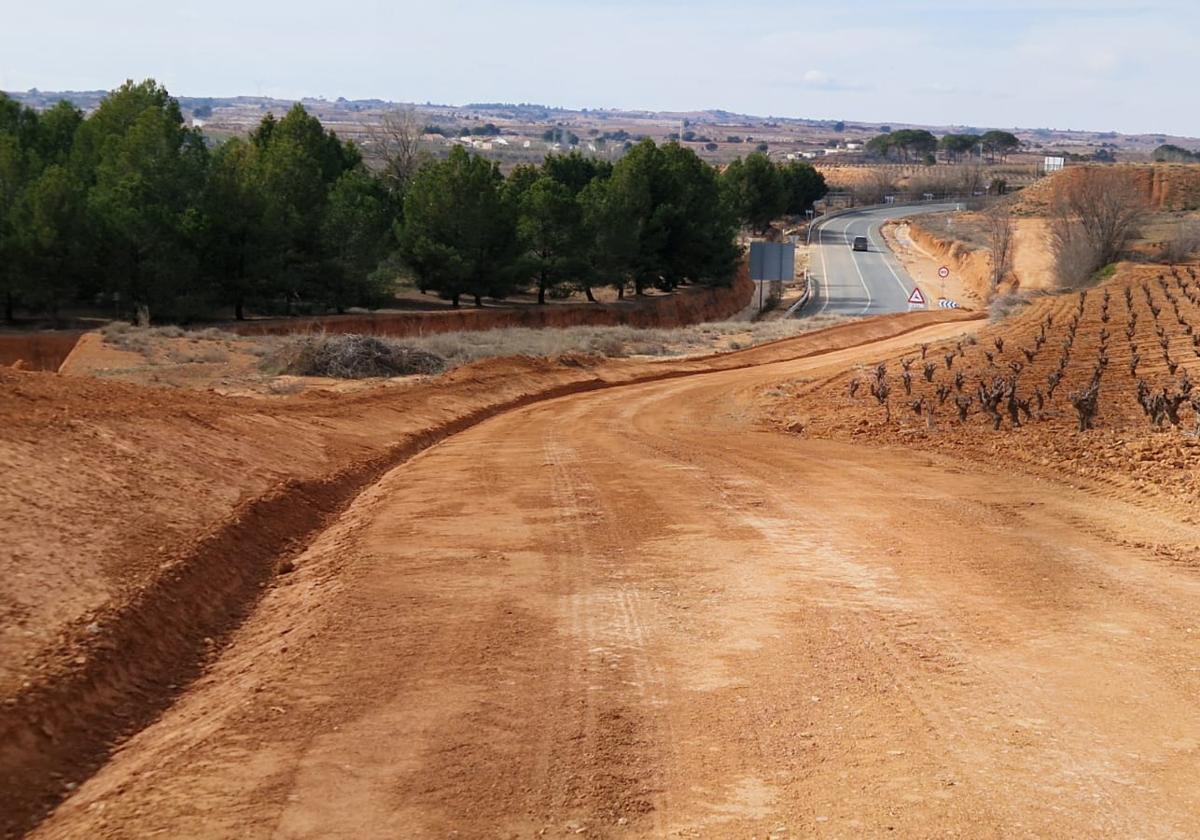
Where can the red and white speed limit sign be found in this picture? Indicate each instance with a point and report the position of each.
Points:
(943, 272)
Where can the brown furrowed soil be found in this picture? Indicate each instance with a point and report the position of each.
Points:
(1051, 351)
(644, 611)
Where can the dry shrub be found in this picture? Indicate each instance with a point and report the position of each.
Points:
(1182, 244)
(608, 345)
(1076, 258)
(1006, 305)
(124, 336)
(349, 356)
(133, 339)
(971, 179)
(939, 180)
(344, 356)
(872, 189)
(213, 334)
(613, 342)
(199, 352)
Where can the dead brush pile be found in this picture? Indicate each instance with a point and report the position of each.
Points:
(349, 356)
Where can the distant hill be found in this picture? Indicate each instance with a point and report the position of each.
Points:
(1159, 146)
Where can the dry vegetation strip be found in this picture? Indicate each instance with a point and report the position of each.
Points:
(613, 342)
(167, 354)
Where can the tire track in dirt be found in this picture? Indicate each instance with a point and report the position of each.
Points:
(895, 633)
(613, 772)
(936, 651)
(178, 659)
(829, 664)
(117, 673)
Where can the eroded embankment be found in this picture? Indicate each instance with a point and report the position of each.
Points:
(683, 308)
(118, 660)
(38, 350)
(48, 350)
(972, 266)
(1166, 186)
(1031, 262)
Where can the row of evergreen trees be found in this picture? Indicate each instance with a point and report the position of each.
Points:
(655, 219)
(129, 208)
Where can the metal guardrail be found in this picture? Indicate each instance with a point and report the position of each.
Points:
(911, 202)
(804, 299)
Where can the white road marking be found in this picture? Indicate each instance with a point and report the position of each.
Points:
(854, 259)
(884, 251)
(886, 262)
(824, 270)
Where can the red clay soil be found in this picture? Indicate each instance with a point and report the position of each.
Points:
(38, 350)
(641, 612)
(1166, 186)
(130, 504)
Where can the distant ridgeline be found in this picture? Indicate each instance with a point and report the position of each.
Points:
(199, 106)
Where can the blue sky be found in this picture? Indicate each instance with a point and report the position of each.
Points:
(1095, 64)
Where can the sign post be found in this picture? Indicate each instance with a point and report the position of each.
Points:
(943, 272)
(771, 262)
(916, 300)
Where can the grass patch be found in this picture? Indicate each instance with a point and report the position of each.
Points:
(969, 229)
(1006, 306)
(142, 340)
(613, 342)
(198, 353)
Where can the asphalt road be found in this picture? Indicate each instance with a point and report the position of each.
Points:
(859, 283)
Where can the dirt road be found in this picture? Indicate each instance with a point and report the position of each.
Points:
(638, 613)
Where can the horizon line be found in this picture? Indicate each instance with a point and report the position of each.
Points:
(605, 109)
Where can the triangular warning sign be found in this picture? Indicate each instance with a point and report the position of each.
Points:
(916, 298)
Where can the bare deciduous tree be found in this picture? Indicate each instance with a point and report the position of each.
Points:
(972, 178)
(1000, 228)
(395, 146)
(935, 180)
(878, 184)
(1093, 218)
